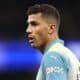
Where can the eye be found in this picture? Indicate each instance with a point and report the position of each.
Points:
(34, 23)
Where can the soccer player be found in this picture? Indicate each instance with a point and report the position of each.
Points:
(58, 63)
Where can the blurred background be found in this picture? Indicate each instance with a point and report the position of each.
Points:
(18, 61)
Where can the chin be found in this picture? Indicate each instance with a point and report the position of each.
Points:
(34, 46)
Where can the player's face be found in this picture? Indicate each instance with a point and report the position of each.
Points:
(37, 30)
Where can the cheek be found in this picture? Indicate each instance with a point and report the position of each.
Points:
(42, 35)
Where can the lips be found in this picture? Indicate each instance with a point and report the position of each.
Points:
(30, 39)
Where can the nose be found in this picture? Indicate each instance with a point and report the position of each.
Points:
(28, 30)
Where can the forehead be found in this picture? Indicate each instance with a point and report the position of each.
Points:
(35, 17)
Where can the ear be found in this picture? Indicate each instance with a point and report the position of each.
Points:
(51, 28)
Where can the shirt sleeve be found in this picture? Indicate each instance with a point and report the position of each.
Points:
(54, 67)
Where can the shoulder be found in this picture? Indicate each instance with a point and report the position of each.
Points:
(51, 55)
(54, 55)
(56, 58)
(54, 62)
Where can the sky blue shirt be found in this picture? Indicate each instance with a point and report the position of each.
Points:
(54, 65)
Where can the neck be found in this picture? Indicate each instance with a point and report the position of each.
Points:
(42, 48)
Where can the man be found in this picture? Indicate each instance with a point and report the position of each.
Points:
(58, 62)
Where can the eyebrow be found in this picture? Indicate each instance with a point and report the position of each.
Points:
(33, 22)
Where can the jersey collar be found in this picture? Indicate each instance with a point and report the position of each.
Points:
(53, 43)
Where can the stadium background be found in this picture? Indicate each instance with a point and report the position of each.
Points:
(18, 61)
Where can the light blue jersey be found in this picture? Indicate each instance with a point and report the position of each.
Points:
(58, 63)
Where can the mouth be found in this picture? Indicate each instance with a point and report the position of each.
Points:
(31, 39)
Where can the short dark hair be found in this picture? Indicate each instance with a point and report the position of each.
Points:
(46, 10)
